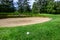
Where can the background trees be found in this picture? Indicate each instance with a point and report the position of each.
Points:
(50, 6)
(20, 6)
(26, 6)
(39, 6)
(46, 6)
(23, 6)
(57, 7)
(34, 8)
(6, 6)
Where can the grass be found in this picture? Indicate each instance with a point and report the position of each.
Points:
(44, 31)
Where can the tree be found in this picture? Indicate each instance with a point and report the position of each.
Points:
(23, 6)
(35, 8)
(20, 6)
(40, 6)
(50, 6)
(26, 6)
(7, 5)
(57, 7)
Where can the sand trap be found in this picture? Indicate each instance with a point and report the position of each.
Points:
(11, 22)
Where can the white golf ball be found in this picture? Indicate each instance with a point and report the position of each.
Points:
(28, 33)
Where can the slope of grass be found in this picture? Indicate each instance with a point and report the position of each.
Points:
(44, 31)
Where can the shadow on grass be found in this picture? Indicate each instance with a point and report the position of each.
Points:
(13, 16)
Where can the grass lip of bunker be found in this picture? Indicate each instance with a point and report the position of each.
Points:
(11, 22)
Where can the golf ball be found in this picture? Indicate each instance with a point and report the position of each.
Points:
(28, 33)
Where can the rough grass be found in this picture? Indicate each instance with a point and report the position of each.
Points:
(44, 31)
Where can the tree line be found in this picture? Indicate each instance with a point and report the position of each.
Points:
(46, 6)
(6, 6)
(39, 6)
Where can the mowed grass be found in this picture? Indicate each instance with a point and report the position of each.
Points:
(45, 31)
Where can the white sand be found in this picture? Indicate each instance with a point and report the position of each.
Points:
(11, 22)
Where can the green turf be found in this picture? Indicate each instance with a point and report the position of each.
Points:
(45, 31)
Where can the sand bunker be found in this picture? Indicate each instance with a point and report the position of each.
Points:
(11, 22)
